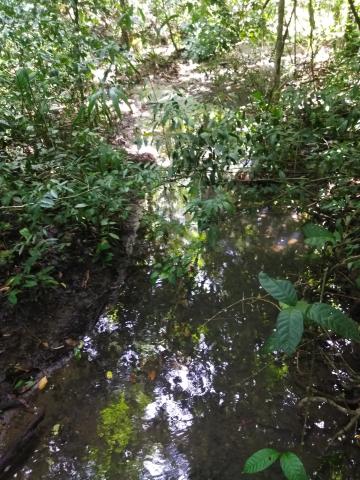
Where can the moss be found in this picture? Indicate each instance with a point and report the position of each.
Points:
(115, 425)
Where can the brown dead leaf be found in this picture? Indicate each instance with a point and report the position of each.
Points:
(152, 375)
(42, 383)
(70, 342)
(292, 241)
(277, 248)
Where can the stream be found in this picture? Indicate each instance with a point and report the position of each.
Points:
(157, 394)
(163, 393)
(171, 383)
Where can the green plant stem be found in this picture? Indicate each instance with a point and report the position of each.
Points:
(323, 283)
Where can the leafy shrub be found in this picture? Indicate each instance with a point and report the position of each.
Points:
(295, 313)
(61, 199)
(207, 38)
(204, 141)
(291, 465)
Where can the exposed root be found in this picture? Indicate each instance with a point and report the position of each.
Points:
(353, 421)
(355, 414)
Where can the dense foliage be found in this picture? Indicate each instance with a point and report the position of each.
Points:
(275, 122)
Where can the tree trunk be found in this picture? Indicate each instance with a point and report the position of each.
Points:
(311, 36)
(77, 51)
(295, 38)
(125, 35)
(279, 48)
(168, 24)
(354, 12)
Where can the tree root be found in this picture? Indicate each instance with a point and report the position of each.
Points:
(355, 414)
(21, 443)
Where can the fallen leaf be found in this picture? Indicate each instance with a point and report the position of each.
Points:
(109, 375)
(56, 429)
(151, 375)
(292, 241)
(42, 383)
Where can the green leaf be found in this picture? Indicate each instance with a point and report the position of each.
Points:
(12, 296)
(317, 236)
(113, 235)
(335, 320)
(24, 232)
(22, 79)
(48, 200)
(93, 100)
(303, 306)
(281, 290)
(261, 460)
(292, 467)
(290, 327)
(115, 99)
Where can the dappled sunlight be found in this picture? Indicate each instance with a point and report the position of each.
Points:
(179, 250)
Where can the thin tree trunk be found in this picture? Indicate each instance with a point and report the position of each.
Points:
(279, 48)
(311, 36)
(125, 35)
(354, 12)
(168, 24)
(77, 50)
(295, 38)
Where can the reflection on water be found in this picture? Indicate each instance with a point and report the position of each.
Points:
(160, 393)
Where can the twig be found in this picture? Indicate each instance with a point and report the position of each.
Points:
(323, 284)
(318, 399)
(345, 429)
(242, 300)
(308, 388)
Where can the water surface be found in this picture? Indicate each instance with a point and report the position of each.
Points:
(162, 393)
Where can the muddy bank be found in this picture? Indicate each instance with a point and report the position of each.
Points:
(43, 332)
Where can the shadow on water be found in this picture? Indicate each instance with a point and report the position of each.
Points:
(161, 393)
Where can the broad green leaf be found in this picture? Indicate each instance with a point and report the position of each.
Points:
(317, 236)
(281, 290)
(335, 320)
(261, 460)
(290, 327)
(292, 467)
